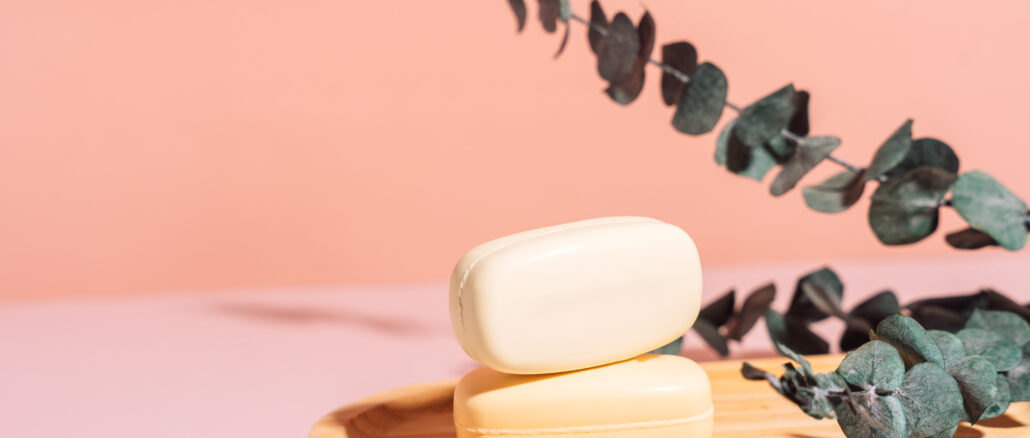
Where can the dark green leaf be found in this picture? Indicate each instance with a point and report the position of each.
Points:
(836, 194)
(754, 307)
(978, 381)
(598, 21)
(712, 336)
(796, 357)
(990, 207)
(702, 101)
(518, 7)
(549, 14)
(747, 161)
(626, 88)
(1001, 401)
(970, 239)
(1003, 352)
(905, 210)
(875, 364)
(810, 152)
(931, 399)
(780, 148)
(681, 56)
(911, 340)
(794, 334)
(886, 410)
(619, 49)
(926, 152)
(938, 318)
(891, 152)
(996, 301)
(1006, 323)
(802, 307)
(670, 348)
(764, 119)
(564, 41)
(799, 121)
(877, 307)
(751, 373)
(1019, 377)
(718, 312)
(855, 335)
(950, 345)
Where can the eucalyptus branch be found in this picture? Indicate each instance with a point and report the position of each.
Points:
(914, 174)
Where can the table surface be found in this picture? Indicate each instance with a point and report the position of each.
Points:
(743, 408)
(266, 363)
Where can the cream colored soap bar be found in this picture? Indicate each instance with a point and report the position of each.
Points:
(576, 295)
(651, 396)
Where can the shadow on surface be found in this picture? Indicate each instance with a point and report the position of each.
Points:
(296, 315)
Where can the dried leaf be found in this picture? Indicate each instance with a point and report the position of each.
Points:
(951, 346)
(755, 305)
(836, 194)
(619, 49)
(970, 239)
(1003, 352)
(741, 159)
(892, 151)
(720, 311)
(926, 152)
(1006, 323)
(802, 307)
(564, 41)
(1001, 400)
(931, 399)
(885, 410)
(799, 121)
(549, 14)
(702, 101)
(598, 21)
(878, 307)
(875, 364)
(1019, 377)
(912, 341)
(990, 207)
(751, 373)
(564, 11)
(712, 336)
(518, 7)
(626, 89)
(681, 56)
(764, 119)
(978, 382)
(794, 334)
(810, 152)
(905, 210)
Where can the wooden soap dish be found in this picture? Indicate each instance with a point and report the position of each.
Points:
(742, 409)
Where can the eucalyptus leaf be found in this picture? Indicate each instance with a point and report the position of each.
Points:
(764, 119)
(751, 373)
(912, 341)
(802, 307)
(626, 88)
(1001, 401)
(702, 100)
(794, 334)
(792, 355)
(673, 347)
(549, 14)
(877, 307)
(970, 239)
(931, 400)
(951, 346)
(1003, 352)
(598, 22)
(712, 336)
(755, 305)
(886, 410)
(938, 318)
(874, 365)
(619, 49)
(564, 11)
(1006, 323)
(780, 148)
(810, 152)
(892, 151)
(564, 41)
(836, 194)
(905, 210)
(720, 311)
(978, 381)
(799, 121)
(926, 152)
(518, 7)
(747, 161)
(681, 56)
(990, 207)
(1019, 377)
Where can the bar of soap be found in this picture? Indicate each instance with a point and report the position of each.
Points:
(650, 396)
(575, 296)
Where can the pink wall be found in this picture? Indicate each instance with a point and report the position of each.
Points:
(214, 144)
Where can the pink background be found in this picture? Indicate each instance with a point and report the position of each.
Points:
(211, 145)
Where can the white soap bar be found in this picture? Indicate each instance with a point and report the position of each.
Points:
(576, 295)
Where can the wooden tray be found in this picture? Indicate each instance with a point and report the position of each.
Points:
(742, 409)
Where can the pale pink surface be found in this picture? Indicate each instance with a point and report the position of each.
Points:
(267, 364)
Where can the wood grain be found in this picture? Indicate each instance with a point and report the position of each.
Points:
(742, 409)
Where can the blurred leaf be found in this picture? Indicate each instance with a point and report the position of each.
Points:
(950, 345)
(796, 357)
(564, 11)
(619, 49)
(970, 239)
(912, 341)
(681, 56)
(549, 14)
(626, 89)
(853, 337)
(997, 301)
(878, 307)
(751, 373)
(1019, 377)
(673, 347)
(720, 311)
(810, 152)
(1006, 323)
(741, 159)
(518, 7)
(712, 336)
(978, 382)
(597, 21)
(564, 41)
(905, 210)
(799, 121)
(794, 334)
(780, 148)
(926, 152)
(892, 151)
(1001, 400)
(990, 207)
(931, 399)
(702, 101)
(764, 119)
(836, 194)
(885, 410)
(875, 364)
(938, 318)
(1003, 352)
(755, 305)
(802, 307)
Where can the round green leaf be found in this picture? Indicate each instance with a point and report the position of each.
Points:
(619, 49)
(755, 165)
(1019, 377)
(950, 345)
(978, 381)
(926, 152)
(764, 119)
(905, 210)
(990, 207)
(876, 364)
(931, 400)
(912, 341)
(887, 410)
(836, 194)
(564, 10)
(1007, 323)
(1001, 401)
(702, 101)
(810, 152)
(1003, 352)
(891, 152)
(803, 306)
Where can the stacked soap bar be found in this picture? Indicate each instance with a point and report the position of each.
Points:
(562, 318)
